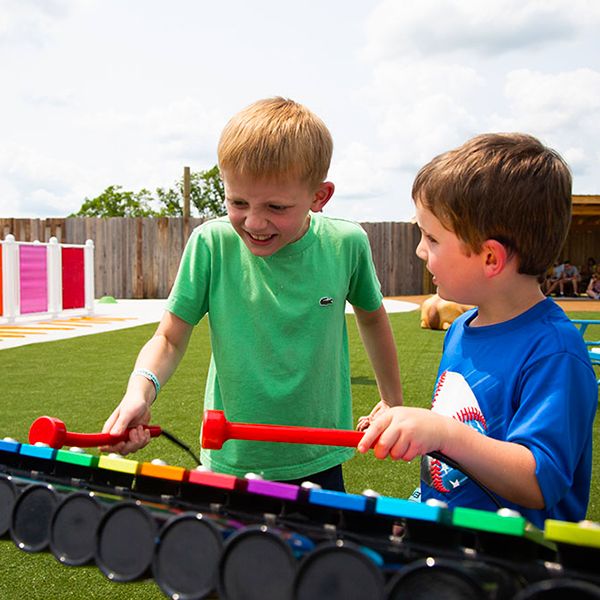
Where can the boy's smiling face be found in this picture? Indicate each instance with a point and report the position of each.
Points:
(269, 214)
(457, 273)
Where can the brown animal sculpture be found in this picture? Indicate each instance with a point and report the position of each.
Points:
(437, 313)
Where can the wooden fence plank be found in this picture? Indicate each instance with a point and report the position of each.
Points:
(139, 257)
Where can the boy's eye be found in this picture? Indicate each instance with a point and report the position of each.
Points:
(237, 203)
(277, 207)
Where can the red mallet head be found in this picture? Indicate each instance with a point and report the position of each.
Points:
(48, 430)
(214, 430)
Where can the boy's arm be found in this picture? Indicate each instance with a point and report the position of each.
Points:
(376, 334)
(506, 468)
(161, 355)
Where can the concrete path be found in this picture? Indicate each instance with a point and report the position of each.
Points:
(108, 317)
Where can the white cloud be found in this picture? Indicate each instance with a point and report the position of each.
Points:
(31, 22)
(439, 27)
(554, 100)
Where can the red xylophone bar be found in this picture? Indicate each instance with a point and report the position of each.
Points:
(52, 431)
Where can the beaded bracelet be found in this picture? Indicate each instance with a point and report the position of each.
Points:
(150, 376)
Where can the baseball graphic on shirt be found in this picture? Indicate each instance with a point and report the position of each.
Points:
(454, 398)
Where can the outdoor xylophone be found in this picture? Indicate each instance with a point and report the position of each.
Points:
(196, 532)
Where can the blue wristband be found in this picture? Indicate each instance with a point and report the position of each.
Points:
(150, 376)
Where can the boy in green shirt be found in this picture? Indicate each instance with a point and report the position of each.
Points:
(273, 277)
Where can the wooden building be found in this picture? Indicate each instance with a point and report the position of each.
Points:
(583, 240)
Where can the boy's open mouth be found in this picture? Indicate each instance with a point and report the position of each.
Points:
(260, 238)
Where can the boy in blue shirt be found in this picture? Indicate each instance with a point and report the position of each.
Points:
(516, 397)
(274, 277)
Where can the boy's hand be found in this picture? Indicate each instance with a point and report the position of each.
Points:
(133, 411)
(405, 432)
(364, 421)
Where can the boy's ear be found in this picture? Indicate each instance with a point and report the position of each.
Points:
(495, 256)
(322, 196)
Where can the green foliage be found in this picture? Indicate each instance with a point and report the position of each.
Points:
(116, 202)
(207, 199)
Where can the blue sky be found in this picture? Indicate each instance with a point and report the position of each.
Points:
(128, 92)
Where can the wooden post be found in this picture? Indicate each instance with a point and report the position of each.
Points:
(187, 185)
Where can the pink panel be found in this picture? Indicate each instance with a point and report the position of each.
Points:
(33, 279)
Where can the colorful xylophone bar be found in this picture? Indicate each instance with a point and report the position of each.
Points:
(196, 532)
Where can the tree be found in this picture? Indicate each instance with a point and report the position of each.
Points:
(207, 195)
(115, 202)
(207, 199)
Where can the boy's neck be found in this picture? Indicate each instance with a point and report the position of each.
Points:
(507, 301)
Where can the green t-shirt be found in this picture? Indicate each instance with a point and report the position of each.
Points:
(278, 336)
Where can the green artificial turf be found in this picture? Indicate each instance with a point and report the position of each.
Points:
(81, 380)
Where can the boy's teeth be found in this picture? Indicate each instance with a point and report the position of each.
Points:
(260, 237)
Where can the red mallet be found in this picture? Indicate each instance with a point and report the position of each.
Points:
(216, 430)
(52, 431)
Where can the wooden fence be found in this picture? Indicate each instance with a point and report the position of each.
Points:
(138, 257)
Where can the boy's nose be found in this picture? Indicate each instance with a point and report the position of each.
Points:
(255, 221)
(420, 251)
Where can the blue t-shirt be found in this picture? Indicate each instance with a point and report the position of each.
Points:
(528, 381)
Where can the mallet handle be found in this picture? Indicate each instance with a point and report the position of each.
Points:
(293, 434)
(91, 440)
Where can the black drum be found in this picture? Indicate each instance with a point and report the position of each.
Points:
(186, 558)
(73, 528)
(125, 542)
(452, 580)
(257, 563)
(31, 517)
(339, 570)
(8, 497)
(557, 589)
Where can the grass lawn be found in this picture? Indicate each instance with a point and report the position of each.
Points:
(82, 379)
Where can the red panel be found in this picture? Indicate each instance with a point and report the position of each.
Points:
(73, 278)
(1, 307)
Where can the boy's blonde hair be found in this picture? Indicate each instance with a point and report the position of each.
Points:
(504, 186)
(276, 138)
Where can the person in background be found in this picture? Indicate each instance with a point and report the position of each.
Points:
(593, 288)
(570, 275)
(554, 276)
(589, 269)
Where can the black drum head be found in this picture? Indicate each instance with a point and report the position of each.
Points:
(31, 516)
(73, 529)
(557, 589)
(8, 497)
(125, 542)
(425, 579)
(338, 571)
(186, 558)
(256, 564)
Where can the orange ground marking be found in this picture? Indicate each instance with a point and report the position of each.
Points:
(107, 319)
(26, 327)
(10, 335)
(68, 322)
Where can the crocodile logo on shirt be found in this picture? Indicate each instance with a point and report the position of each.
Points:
(326, 301)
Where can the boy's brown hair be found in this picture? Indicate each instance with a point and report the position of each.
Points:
(276, 138)
(504, 186)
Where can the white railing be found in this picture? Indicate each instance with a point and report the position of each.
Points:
(37, 282)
